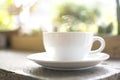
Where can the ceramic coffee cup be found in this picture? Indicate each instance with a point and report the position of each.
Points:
(70, 46)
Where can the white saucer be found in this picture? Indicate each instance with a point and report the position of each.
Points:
(90, 61)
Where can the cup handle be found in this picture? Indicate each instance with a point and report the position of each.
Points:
(102, 44)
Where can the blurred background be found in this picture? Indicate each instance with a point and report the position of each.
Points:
(21, 19)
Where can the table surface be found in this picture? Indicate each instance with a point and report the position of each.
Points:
(16, 61)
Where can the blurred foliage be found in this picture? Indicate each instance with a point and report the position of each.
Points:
(79, 12)
(6, 20)
(106, 29)
(71, 14)
(36, 31)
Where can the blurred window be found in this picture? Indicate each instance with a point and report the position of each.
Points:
(98, 16)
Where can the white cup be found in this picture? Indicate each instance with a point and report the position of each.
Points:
(70, 46)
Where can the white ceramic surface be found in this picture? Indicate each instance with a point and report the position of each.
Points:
(70, 45)
(90, 61)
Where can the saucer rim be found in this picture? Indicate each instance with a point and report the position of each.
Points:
(69, 65)
(76, 61)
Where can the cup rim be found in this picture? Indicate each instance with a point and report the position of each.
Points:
(69, 32)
